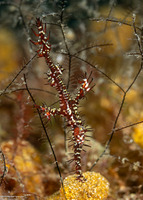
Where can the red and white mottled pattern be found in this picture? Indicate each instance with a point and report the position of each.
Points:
(68, 106)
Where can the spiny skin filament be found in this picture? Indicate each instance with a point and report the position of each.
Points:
(68, 106)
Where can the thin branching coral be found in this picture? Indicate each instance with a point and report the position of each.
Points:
(112, 50)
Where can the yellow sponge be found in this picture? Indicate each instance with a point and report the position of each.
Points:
(138, 135)
(96, 187)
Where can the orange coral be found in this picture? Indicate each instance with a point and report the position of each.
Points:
(9, 54)
(27, 164)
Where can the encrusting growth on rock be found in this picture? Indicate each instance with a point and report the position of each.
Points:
(96, 187)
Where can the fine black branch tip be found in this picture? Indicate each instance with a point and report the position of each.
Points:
(76, 49)
(44, 128)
